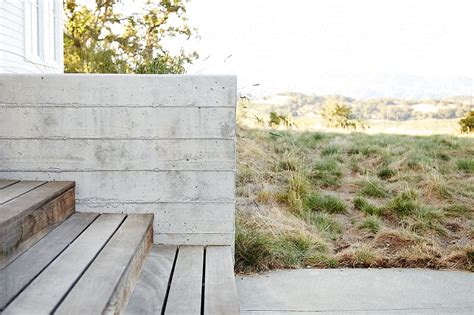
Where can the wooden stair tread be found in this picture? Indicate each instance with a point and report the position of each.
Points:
(191, 289)
(220, 288)
(106, 285)
(184, 295)
(149, 294)
(26, 267)
(45, 292)
(31, 209)
(7, 182)
(18, 189)
(32, 199)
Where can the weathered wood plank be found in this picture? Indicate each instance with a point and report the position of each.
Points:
(112, 123)
(99, 154)
(108, 283)
(220, 291)
(7, 182)
(127, 187)
(149, 294)
(15, 190)
(120, 90)
(46, 291)
(33, 199)
(186, 286)
(22, 270)
(23, 230)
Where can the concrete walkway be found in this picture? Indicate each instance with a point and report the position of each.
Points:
(357, 291)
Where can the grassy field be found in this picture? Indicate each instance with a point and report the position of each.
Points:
(314, 199)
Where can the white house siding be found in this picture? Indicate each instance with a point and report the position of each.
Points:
(15, 37)
(161, 144)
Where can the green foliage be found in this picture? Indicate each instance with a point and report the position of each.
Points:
(280, 120)
(327, 203)
(338, 116)
(99, 39)
(467, 122)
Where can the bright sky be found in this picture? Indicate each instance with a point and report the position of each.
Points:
(337, 46)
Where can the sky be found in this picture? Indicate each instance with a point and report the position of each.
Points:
(363, 48)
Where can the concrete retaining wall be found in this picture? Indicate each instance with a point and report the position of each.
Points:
(133, 143)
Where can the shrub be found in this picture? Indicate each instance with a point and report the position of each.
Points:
(327, 203)
(467, 122)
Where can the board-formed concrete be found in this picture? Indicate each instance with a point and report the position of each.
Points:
(357, 291)
(162, 144)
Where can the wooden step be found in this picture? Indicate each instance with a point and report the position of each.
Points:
(28, 211)
(19, 273)
(107, 284)
(95, 274)
(190, 280)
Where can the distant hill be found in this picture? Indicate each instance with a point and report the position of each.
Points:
(304, 105)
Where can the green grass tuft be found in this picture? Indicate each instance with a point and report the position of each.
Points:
(371, 223)
(386, 173)
(327, 173)
(404, 204)
(327, 203)
(466, 165)
(372, 188)
(325, 223)
(330, 150)
(363, 205)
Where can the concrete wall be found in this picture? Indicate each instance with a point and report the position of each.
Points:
(133, 143)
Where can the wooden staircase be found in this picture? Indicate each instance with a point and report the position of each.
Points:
(56, 261)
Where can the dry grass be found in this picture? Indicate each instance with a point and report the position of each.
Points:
(307, 199)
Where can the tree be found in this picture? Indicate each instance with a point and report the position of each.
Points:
(280, 120)
(102, 39)
(467, 123)
(339, 116)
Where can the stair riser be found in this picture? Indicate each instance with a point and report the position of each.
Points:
(23, 231)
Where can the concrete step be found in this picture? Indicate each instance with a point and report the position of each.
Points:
(92, 274)
(28, 211)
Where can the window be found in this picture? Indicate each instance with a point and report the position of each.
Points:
(34, 29)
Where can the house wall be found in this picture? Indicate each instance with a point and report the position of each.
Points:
(162, 144)
(18, 33)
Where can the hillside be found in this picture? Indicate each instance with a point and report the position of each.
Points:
(314, 199)
(302, 105)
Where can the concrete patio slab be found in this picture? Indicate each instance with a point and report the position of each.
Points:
(357, 291)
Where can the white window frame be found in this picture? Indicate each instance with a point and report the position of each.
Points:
(34, 31)
(57, 34)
